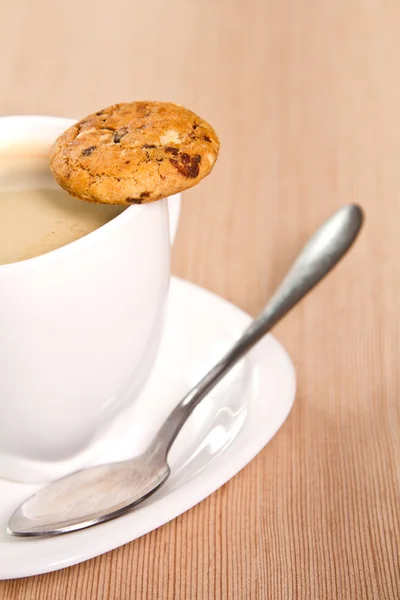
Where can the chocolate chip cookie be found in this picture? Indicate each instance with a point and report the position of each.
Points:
(133, 153)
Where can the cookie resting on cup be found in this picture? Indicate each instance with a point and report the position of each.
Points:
(134, 153)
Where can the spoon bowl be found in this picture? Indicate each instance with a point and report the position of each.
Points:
(89, 496)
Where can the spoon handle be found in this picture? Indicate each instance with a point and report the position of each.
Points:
(322, 252)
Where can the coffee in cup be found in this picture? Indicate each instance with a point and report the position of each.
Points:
(36, 215)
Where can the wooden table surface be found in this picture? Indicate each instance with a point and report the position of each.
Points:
(305, 96)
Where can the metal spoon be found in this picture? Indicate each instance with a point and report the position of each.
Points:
(103, 492)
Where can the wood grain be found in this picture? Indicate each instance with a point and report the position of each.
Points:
(306, 99)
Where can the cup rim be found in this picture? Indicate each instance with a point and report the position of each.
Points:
(131, 212)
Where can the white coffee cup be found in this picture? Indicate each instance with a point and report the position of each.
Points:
(79, 327)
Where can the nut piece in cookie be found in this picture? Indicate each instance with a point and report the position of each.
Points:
(133, 153)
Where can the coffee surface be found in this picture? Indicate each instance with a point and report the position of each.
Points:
(36, 215)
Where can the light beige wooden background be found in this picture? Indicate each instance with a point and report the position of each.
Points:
(305, 95)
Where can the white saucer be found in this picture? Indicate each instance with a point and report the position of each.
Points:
(225, 432)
